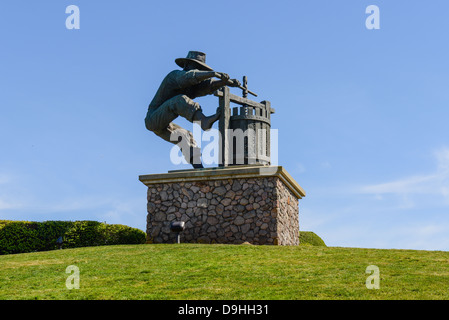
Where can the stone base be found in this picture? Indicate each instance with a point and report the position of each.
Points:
(255, 204)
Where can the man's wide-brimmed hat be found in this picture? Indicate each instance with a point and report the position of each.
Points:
(199, 58)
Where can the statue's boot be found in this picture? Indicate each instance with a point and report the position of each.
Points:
(206, 122)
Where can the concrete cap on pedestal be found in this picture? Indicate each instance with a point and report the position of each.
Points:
(222, 173)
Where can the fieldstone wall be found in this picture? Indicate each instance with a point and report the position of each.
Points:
(259, 210)
(287, 215)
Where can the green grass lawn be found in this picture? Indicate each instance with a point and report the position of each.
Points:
(191, 271)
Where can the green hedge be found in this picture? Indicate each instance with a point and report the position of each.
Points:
(25, 236)
(309, 238)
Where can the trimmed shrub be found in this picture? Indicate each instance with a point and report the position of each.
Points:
(84, 234)
(24, 236)
(49, 231)
(309, 238)
(118, 233)
(19, 236)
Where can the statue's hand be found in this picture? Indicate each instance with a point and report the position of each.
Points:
(224, 76)
(234, 83)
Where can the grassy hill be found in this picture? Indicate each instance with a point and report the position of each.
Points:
(191, 271)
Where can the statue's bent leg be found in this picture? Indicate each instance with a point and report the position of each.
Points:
(160, 122)
(180, 105)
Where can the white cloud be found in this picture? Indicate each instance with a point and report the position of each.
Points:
(408, 213)
(435, 183)
(21, 201)
(421, 236)
(131, 212)
(6, 205)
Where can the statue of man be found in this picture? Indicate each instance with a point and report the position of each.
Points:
(175, 98)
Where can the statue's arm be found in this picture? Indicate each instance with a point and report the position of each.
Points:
(206, 87)
(209, 86)
(194, 77)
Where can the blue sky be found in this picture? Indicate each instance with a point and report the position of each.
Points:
(362, 114)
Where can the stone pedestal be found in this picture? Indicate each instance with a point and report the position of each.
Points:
(255, 204)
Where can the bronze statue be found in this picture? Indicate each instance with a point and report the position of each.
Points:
(175, 98)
